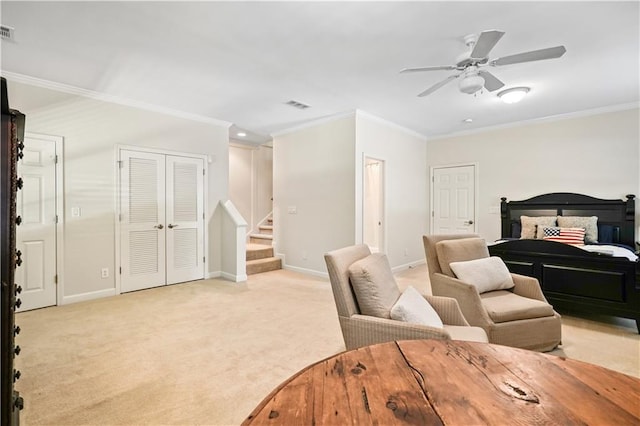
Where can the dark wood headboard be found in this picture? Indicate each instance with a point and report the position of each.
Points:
(617, 213)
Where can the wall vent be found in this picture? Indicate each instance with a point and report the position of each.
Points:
(6, 32)
(297, 104)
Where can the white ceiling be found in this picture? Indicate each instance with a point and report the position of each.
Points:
(242, 61)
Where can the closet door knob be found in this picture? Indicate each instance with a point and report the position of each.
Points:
(159, 226)
(170, 226)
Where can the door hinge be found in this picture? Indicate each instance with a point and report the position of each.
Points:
(55, 279)
(56, 219)
(432, 213)
(119, 164)
(55, 159)
(203, 259)
(119, 217)
(120, 270)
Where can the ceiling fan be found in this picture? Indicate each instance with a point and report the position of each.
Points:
(470, 63)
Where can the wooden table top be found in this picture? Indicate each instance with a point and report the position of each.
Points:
(444, 382)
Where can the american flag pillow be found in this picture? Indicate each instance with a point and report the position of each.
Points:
(573, 236)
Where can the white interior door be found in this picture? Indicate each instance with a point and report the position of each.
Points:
(36, 236)
(142, 221)
(453, 191)
(161, 219)
(373, 204)
(185, 219)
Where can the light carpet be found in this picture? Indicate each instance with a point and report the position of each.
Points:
(208, 352)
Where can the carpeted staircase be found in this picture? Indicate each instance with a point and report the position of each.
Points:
(260, 256)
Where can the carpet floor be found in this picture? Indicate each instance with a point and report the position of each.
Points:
(208, 352)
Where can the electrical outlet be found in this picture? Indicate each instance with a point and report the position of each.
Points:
(105, 272)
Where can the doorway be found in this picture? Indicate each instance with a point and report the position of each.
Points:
(161, 219)
(373, 211)
(453, 199)
(39, 236)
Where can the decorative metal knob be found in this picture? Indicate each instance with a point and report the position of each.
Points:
(19, 403)
(16, 330)
(18, 303)
(16, 375)
(18, 220)
(17, 350)
(18, 290)
(19, 183)
(18, 258)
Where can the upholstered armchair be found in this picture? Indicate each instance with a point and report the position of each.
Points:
(361, 330)
(513, 313)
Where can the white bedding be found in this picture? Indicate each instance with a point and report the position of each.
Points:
(604, 249)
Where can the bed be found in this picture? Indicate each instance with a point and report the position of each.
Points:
(605, 281)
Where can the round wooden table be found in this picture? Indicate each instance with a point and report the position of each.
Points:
(425, 382)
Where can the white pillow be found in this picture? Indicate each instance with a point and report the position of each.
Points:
(413, 307)
(487, 274)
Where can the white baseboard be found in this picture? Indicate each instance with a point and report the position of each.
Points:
(407, 266)
(214, 274)
(234, 278)
(306, 271)
(83, 297)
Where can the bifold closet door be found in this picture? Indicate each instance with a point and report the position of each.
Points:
(142, 220)
(185, 219)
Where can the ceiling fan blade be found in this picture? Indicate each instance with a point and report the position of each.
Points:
(420, 69)
(438, 85)
(491, 82)
(485, 43)
(534, 55)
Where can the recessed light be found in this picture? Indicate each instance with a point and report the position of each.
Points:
(241, 134)
(513, 95)
(467, 120)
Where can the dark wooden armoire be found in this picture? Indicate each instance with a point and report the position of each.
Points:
(10, 152)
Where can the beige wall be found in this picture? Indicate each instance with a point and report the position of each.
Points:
(314, 172)
(91, 129)
(318, 170)
(251, 182)
(406, 190)
(596, 155)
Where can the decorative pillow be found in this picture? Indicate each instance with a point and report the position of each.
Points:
(589, 223)
(486, 274)
(458, 251)
(413, 307)
(573, 236)
(373, 283)
(530, 225)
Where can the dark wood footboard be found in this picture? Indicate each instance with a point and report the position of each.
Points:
(573, 279)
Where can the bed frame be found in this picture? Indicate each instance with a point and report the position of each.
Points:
(571, 278)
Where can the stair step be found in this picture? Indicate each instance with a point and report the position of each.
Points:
(266, 229)
(261, 239)
(258, 251)
(263, 265)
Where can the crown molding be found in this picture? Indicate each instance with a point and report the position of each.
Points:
(65, 88)
(547, 119)
(367, 115)
(313, 123)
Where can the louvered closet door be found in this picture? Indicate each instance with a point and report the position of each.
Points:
(142, 222)
(185, 222)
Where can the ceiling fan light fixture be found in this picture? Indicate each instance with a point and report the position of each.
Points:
(513, 95)
(471, 84)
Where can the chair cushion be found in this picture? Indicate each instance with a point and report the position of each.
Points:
(486, 274)
(469, 334)
(459, 250)
(504, 306)
(373, 283)
(413, 307)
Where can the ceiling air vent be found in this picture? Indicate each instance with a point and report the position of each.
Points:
(6, 32)
(297, 104)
